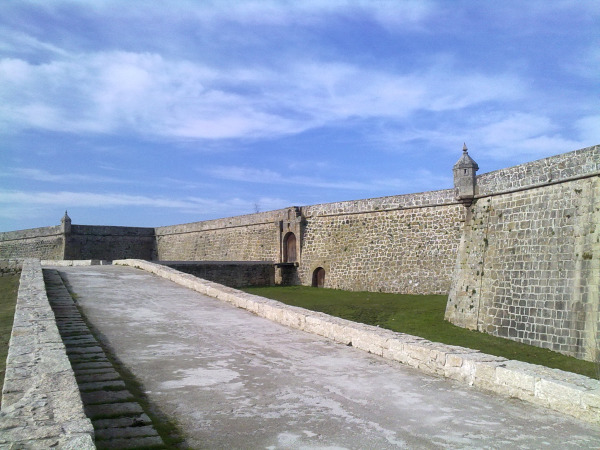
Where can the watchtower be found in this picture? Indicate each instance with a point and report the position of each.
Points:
(465, 182)
(65, 223)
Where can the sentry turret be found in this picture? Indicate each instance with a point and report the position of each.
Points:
(464, 178)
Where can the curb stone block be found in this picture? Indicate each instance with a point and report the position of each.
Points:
(515, 381)
(558, 395)
(477, 369)
(369, 342)
(339, 333)
(293, 319)
(590, 400)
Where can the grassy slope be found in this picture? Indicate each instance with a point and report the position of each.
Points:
(8, 300)
(419, 315)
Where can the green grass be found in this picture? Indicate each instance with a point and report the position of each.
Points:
(418, 315)
(8, 299)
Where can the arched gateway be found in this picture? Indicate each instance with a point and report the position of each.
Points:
(318, 279)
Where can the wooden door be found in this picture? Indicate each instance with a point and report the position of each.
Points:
(289, 248)
(319, 277)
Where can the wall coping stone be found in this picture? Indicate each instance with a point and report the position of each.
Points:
(41, 404)
(74, 262)
(255, 219)
(31, 233)
(217, 263)
(556, 169)
(565, 392)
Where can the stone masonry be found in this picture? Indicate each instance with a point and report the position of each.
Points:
(406, 244)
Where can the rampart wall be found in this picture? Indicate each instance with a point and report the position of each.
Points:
(109, 242)
(404, 243)
(42, 243)
(528, 267)
(252, 237)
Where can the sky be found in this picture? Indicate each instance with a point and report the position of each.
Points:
(147, 113)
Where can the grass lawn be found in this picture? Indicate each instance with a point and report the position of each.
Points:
(419, 315)
(8, 299)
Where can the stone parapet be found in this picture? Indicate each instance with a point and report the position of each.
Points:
(390, 203)
(568, 393)
(267, 217)
(74, 262)
(563, 167)
(41, 404)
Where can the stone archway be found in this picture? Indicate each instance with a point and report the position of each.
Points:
(318, 278)
(289, 248)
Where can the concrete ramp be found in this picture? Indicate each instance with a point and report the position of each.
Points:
(234, 380)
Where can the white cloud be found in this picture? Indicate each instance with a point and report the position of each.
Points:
(427, 180)
(149, 95)
(521, 137)
(266, 176)
(17, 204)
(589, 129)
(389, 13)
(43, 175)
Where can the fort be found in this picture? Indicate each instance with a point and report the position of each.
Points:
(517, 250)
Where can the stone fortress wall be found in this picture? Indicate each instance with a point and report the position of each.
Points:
(517, 249)
(528, 267)
(42, 243)
(108, 242)
(404, 243)
(251, 237)
(68, 241)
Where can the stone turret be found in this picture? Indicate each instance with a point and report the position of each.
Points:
(465, 183)
(65, 222)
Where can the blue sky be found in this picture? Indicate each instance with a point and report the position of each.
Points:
(157, 113)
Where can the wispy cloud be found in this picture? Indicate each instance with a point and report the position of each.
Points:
(296, 97)
(148, 94)
(522, 135)
(64, 178)
(16, 203)
(420, 179)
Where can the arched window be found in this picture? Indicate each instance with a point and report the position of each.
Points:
(318, 279)
(289, 248)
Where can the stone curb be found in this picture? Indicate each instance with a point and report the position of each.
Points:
(565, 392)
(41, 404)
(74, 262)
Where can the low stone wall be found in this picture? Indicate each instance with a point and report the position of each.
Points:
(229, 273)
(568, 393)
(41, 404)
(74, 262)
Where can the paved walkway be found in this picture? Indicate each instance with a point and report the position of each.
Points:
(234, 380)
